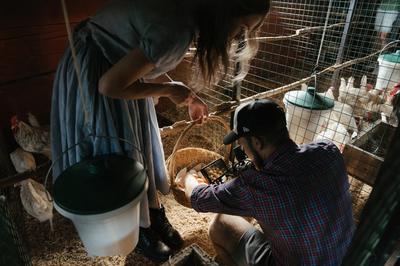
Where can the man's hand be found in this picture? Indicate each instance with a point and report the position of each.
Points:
(191, 181)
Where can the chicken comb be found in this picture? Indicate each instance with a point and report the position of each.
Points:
(14, 120)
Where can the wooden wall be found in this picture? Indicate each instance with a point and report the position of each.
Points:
(32, 40)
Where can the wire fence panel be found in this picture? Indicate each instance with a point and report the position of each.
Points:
(11, 222)
(346, 49)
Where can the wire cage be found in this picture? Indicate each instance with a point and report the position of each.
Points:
(11, 239)
(319, 43)
(11, 217)
(336, 47)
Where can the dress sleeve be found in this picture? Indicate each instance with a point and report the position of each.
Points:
(233, 197)
(158, 45)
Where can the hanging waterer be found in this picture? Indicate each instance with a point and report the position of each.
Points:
(305, 113)
(101, 195)
(389, 71)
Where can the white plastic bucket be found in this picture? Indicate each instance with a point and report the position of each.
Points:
(304, 123)
(388, 75)
(111, 233)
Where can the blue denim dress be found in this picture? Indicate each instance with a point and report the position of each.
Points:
(163, 35)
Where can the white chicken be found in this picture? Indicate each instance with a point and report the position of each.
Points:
(180, 177)
(347, 92)
(35, 200)
(377, 96)
(22, 160)
(387, 113)
(336, 133)
(329, 93)
(342, 107)
(356, 97)
(373, 111)
(363, 94)
(343, 114)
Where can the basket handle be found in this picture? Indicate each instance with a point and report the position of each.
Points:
(212, 118)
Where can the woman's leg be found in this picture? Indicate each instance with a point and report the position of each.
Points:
(161, 225)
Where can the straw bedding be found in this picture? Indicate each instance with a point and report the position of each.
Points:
(63, 247)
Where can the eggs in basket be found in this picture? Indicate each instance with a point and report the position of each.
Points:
(216, 172)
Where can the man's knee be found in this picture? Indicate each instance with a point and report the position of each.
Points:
(227, 228)
(216, 229)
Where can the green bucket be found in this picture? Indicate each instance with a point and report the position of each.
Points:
(99, 185)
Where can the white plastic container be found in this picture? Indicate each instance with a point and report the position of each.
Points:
(109, 234)
(101, 196)
(306, 114)
(389, 71)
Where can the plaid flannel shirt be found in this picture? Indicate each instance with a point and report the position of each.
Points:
(300, 199)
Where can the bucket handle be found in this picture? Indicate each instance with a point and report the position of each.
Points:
(49, 197)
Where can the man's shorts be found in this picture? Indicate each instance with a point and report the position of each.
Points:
(253, 249)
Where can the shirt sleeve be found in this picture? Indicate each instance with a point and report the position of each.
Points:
(233, 197)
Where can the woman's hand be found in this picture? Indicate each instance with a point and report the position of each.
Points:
(198, 109)
(180, 94)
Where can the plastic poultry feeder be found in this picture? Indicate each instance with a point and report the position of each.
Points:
(305, 112)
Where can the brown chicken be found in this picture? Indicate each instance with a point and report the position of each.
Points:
(31, 138)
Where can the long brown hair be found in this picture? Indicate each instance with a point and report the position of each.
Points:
(215, 20)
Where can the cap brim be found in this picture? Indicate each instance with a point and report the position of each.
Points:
(230, 138)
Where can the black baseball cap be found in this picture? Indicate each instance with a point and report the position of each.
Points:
(255, 118)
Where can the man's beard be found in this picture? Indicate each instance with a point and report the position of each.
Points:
(258, 161)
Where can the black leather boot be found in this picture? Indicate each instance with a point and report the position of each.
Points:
(161, 225)
(151, 246)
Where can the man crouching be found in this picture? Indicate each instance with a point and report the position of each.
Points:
(299, 195)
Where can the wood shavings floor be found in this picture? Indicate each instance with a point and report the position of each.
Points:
(63, 246)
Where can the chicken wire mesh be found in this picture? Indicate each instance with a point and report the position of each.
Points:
(334, 47)
(354, 29)
(11, 239)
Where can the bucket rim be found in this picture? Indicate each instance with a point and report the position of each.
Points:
(303, 100)
(99, 184)
(80, 217)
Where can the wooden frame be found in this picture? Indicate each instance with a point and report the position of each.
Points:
(361, 163)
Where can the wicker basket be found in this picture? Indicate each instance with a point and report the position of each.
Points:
(191, 156)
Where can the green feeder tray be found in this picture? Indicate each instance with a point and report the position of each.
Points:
(309, 99)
